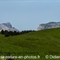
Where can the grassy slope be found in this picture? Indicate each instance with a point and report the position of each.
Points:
(45, 42)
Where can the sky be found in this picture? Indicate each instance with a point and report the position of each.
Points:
(28, 14)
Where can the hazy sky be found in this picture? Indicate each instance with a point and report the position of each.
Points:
(28, 14)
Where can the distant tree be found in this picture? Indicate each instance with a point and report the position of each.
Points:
(15, 33)
(2, 32)
(6, 33)
(11, 33)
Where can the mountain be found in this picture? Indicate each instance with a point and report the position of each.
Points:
(7, 26)
(49, 25)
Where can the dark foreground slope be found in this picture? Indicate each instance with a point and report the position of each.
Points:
(42, 43)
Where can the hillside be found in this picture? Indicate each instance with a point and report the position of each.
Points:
(44, 42)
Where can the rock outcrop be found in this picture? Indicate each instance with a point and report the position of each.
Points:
(49, 25)
(7, 26)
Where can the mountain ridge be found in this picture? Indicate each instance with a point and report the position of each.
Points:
(7, 26)
(49, 25)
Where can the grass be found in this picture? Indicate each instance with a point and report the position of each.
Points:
(44, 42)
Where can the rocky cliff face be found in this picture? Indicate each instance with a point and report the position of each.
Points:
(7, 26)
(49, 25)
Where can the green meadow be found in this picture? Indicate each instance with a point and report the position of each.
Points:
(42, 43)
